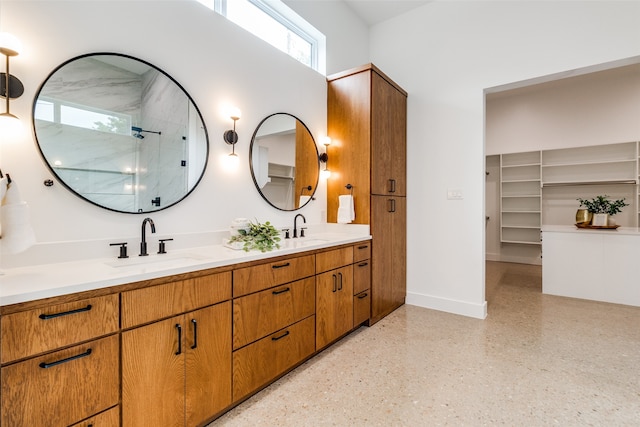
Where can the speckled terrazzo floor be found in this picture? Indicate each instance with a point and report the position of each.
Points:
(536, 360)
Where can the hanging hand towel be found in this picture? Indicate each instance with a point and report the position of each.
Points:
(346, 209)
(17, 234)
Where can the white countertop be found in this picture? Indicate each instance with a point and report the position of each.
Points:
(30, 283)
(634, 231)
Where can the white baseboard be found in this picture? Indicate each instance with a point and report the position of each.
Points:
(463, 308)
(513, 258)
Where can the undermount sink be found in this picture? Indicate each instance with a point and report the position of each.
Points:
(304, 241)
(154, 261)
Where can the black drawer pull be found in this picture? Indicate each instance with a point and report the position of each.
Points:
(286, 264)
(335, 283)
(281, 292)
(68, 359)
(179, 328)
(363, 264)
(340, 287)
(363, 247)
(363, 296)
(64, 313)
(392, 186)
(195, 333)
(280, 337)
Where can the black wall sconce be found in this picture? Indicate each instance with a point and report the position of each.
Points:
(231, 136)
(324, 158)
(10, 86)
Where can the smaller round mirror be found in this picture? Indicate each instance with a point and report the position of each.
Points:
(284, 161)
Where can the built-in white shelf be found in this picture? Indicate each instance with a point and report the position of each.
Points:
(524, 175)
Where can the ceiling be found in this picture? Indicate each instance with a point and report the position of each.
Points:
(375, 11)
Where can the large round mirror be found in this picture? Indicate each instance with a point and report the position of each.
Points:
(284, 161)
(120, 133)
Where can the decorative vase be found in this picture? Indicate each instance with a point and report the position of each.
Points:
(600, 220)
(583, 216)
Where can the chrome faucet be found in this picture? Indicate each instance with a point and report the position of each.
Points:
(295, 226)
(143, 243)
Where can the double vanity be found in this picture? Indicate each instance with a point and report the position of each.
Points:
(176, 338)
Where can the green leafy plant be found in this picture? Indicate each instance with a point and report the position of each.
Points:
(602, 205)
(263, 237)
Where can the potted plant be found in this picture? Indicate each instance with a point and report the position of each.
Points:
(263, 237)
(601, 208)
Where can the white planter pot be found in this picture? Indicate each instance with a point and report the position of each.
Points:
(600, 220)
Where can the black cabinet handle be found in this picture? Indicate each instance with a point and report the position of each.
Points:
(68, 359)
(286, 264)
(363, 247)
(363, 264)
(362, 296)
(281, 291)
(392, 205)
(335, 282)
(64, 313)
(280, 337)
(195, 333)
(392, 185)
(179, 328)
(340, 287)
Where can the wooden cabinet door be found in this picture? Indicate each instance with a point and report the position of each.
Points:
(334, 305)
(388, 138)
(388, 265)
(153, 374)
(208, 362)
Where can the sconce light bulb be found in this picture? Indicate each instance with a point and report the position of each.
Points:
(10, 124)
(235, 113)
(325, 174)
(9, 44)
(326, 141)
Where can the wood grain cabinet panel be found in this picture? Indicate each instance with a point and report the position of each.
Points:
(361, 276)
(361, 251)
(257, 278)
(361, 307)
(334, 305)
(259, 363)
(262, 313)
(61, 388)
(109, 418)
(329, 260)
(36, 331)
(177, 369)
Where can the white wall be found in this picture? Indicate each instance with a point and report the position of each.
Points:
(216, 62)
(445, 54)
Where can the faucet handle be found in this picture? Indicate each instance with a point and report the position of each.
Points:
(302, 231)
(286, 233)
(123, 249)
(161, 246)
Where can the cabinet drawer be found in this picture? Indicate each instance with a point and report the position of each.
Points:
(361, 308)
(264, 276)
(257, 364)
(61, 388)
(361, 251)
(336, 258)
(361, 276)
(110, 418)
(262, 313)
(157, 302)
(36, 331)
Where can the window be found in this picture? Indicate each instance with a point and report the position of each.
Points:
(278, 25)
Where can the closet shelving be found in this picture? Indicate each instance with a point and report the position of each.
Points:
(520, 198)
(524, 175)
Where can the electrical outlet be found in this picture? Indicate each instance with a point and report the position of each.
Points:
(454, 194)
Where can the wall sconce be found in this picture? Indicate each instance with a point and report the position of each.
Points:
(324, 158)
(231, 137)
(10, 86)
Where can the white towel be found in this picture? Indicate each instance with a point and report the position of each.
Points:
(346, 209)
(17, 234)
(303, 200)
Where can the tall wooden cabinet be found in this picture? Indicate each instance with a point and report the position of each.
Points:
(366, 120)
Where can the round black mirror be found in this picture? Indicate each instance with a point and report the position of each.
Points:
(120, 133)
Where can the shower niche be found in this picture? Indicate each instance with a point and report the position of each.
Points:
(120, 133)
